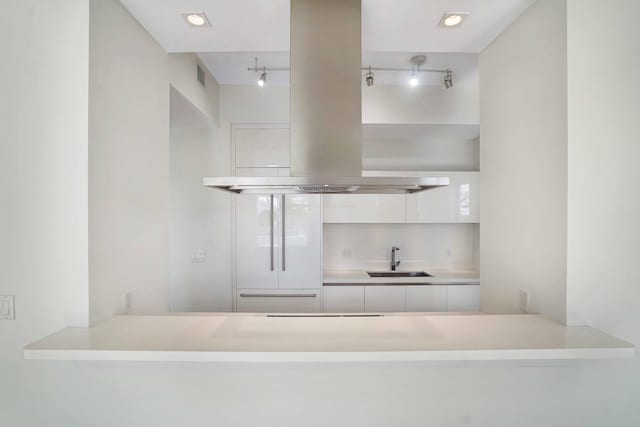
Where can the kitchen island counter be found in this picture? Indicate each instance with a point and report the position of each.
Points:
(236, 337)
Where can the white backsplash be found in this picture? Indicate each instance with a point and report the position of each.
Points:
(368, 246)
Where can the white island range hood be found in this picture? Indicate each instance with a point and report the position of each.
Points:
(326, 110)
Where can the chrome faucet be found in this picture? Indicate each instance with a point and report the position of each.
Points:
(394, 263)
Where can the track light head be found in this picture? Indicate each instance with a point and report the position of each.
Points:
(416, 62)
(448, 80)
(413, 80)
(369, 77)
(263, 78)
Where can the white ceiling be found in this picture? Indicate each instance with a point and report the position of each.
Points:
(263, 25)
(230, 68)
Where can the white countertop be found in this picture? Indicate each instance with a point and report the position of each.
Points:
(336, 277)
(240, 337)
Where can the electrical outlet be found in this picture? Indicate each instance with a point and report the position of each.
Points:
(346, 253)
(7, 307)
(199, 255)
(524, 302)
(128, 300)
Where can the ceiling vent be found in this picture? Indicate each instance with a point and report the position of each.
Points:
(200, 73)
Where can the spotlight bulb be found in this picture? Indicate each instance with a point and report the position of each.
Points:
(452, 20)
(263, 79)
(413, 81)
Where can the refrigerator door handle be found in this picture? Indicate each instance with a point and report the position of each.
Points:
(271, 231)
(284, 267)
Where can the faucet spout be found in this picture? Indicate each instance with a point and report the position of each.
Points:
(394, 263)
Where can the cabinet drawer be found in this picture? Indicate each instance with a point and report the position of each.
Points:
(278, 301)
(463, 298)
(343, 299)
(427, 298)
(385, 298)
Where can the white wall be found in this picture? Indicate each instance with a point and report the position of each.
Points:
(247, 104)
(128, 165)
(603, 278)
(200, 221)
(420, 104)
(43, 168)
(523, 153)
(366, 246)
(183, 78)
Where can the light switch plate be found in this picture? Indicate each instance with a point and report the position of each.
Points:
(199, 255)
(7, 307)
(524, 301)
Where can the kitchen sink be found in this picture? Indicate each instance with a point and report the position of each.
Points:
(398, 274)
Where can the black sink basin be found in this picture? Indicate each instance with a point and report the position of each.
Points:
(398, 274)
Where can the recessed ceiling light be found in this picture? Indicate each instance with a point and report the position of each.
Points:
(196, 19)
(450, 20)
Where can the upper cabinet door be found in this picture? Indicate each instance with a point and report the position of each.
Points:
(257, 147)
(457, 202)
(300, 255)
(364, 208)
(257, 255)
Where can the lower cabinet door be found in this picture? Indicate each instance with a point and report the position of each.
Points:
(343, 299)
(278, 301)
(385, 298)
(463, 298)
(427, 298)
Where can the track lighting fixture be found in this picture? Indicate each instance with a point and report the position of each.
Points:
(262, 80)
(263, 77)
(369, 77)
(413, 80)
(417, 62)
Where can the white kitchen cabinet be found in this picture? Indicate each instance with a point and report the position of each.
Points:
(364, 208)
(456, 203)
(343, 299)
(463, 298)
(261, 147)
(278, 241)
(398, 298)
(278, 301)
(385, 298)
(427, 298)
